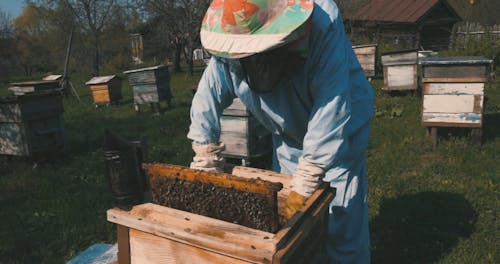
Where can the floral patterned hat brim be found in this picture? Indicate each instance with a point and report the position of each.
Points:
(240, 28)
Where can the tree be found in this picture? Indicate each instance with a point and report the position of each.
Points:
(31, 32)
(93, 16)
(180, 21)
(5, 25)
(6, 45)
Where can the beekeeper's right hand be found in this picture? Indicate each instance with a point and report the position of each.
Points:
(207, 157)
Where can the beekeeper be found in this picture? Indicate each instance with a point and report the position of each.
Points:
(291, 64)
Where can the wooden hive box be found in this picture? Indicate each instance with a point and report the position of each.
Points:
(244, 137)
(150, 85)
(31, 123)
(400, 70)
(453, 92)
(366, 55)
(20, 88)
(105, 89)
(150, 233)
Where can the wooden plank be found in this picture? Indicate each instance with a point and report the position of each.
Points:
(145, 88)
(199, 231)
(309, 242)
(101, 96)
(146, 248)
(237, 108)
(402, 75)
(400, 58)
(166, 229)
(293, 225)
(143, 98)
(366, 58)
(452, 118)
(219, 179)
(101, 87)
(361, 50)
(447, 124)
(455, 80)
(122, 235)
(452, 103)
(455, 71)
(234, 134)
(454, 88)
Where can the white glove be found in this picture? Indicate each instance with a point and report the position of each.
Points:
(306, 178)
(207, 157)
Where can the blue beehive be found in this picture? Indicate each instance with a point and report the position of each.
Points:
(150, 85)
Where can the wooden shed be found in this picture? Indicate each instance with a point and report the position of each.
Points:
(31, 123)
(453, 93)
(366, 55)
(105, 89)
(151, 233)
(400, 70)
(423, 24)
(244, 137)
(150, 86)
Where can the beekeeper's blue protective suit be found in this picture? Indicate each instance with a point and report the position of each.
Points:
(321, 112)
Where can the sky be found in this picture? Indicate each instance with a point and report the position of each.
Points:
(12, 7)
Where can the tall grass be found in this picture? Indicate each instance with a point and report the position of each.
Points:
(426, 205)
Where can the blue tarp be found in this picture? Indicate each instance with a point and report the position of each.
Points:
(97, 254)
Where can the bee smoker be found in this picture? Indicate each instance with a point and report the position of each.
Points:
(123, 161)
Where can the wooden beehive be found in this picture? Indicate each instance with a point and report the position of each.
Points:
(150, 85)
(151, 233)
(400, 70)
(244, 137)
(105, 89)
(31, 123)
(366, 55)
(453, 93)
(20, 88)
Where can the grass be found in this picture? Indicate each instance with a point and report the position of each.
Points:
(426, 206)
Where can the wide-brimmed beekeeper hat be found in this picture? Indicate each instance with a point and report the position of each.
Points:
(240, 28)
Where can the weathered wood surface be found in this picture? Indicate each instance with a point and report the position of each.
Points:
(399, 58)
(148, 248)
(366, 55)
(243, 136)
(237, 108)
(106, 93)
(454, 91)
(400, 77)
(150, 85)
(31, 123)
(147, 75)
(184, 237)
(452, 103)
(453, 88)
(219, 179)
(34, 86)
(455, 71)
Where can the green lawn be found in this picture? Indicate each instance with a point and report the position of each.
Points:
(426, 206)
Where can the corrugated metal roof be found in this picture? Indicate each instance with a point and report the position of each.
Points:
(404, 11)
